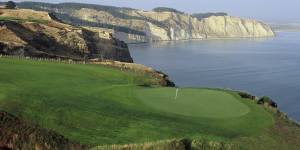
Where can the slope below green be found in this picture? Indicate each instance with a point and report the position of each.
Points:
(100, 105)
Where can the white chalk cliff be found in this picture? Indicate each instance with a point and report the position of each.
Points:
(133, 25)
(175, 26)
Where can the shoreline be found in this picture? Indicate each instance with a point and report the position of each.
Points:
(204, 39)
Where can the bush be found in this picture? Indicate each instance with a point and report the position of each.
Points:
(166, 9)
(267, 100)
(246, 95)
(203, 144)
(183, 144)
(10, 5)
(200, 16)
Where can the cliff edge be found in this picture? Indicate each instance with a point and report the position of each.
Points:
(26, 32)
(161, 24)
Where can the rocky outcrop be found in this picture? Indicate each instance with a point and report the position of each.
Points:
(132, 25)
(160, 78)
(33, 33)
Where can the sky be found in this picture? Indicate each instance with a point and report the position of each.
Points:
(266, 10)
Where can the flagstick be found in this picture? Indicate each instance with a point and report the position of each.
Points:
(176, 93)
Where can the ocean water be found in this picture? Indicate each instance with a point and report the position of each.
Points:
(262, 66)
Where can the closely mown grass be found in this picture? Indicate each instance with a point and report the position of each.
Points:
(194, 102)
(99, 105)
(21, 20)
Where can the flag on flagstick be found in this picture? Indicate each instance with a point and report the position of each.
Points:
(176, 93)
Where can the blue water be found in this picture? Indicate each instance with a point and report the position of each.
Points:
(264, 66)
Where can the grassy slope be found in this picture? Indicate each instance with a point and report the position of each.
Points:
(20, 20)
(283, 135)
(99, 105)
(16, 133)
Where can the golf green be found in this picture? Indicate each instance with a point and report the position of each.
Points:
(193, 102)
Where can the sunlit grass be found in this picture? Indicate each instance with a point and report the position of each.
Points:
(100, 105)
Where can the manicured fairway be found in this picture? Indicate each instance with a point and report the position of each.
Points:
(99, 105)
(193, 102)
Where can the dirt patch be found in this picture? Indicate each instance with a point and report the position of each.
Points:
(17, 133)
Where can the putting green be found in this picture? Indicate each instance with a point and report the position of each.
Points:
(193, 102)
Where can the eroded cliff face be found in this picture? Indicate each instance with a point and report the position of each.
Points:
(26, 32)
(133, 25)
(226, 26)
(160, 26)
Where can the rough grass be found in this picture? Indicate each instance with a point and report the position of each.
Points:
(174, 144)
(158, 145)
(16, 133)
(99, 105)
(22, 20)
(284, 135)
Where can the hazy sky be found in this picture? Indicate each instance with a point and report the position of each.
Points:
(268, 10)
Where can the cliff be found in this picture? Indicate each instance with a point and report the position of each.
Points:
(132, 25)
(26, 32)
(161, 78)
(180, 26)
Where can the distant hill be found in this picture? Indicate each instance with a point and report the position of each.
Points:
(161, 24)
(291, 27)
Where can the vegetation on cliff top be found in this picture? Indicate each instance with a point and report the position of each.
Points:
(166, 9)
(10, 5)
(22, 20)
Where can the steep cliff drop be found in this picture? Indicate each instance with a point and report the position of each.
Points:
(133, 25)
(31, 33)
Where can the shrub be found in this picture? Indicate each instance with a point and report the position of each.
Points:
(10, 5)
(183, 144)
(166, 9)
(202, 144)
(267, 100)
(246, 95)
